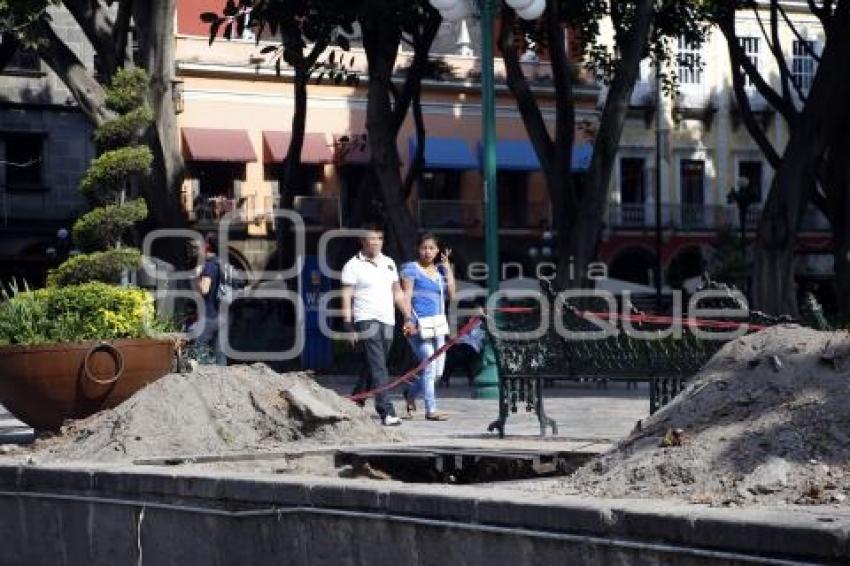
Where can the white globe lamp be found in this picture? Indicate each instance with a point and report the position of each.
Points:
(520, 4)
(445, 4)
(534, 11)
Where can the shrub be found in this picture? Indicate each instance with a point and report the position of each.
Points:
(105, 267)
(91, 311)
(127, 90)
(123, 130)
(109, 173)
(104, 227)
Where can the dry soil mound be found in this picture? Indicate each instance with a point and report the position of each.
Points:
(217, 410)
(767, 421)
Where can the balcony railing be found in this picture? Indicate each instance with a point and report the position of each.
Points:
(450, 214)
(697, 217)
(322, 212)
(214, 209)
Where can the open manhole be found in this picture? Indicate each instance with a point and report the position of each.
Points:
(428, 464)
(413, 464)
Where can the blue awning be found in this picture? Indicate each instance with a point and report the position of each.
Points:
(582, 153)
(519, 155)
(446, 153)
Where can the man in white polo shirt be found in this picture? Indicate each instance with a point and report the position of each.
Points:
(370, 288)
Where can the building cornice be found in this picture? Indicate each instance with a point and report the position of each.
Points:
(588, 93)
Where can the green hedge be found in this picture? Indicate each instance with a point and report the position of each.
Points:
(108, 174)
(105, 267)
(123, 130)
(104, 227)
(127, 91)
(92, 311)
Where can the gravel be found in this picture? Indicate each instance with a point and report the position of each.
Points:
(767, 421)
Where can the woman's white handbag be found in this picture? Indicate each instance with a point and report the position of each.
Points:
(433, 326)
(437, 325)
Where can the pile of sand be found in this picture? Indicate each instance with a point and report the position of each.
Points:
(217, 410)
(766, 421)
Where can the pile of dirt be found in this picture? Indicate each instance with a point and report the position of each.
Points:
(217, 410)
(766, 421)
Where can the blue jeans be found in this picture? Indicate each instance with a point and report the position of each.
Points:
(424, 384)
(208, 340)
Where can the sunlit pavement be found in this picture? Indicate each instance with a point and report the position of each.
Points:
(582, 411)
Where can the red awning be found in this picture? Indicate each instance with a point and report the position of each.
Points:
(317, 148)
(209, 144)
(352, 149)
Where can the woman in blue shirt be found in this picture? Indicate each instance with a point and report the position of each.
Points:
(428, 285)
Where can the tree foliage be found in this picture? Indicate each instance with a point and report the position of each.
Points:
(105, 226)
(109, 173)
(105, 266)
(106, 183)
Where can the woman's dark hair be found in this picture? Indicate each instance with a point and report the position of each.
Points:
(427, 236)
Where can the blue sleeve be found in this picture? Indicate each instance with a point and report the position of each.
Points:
(408, 271)
(209, 269)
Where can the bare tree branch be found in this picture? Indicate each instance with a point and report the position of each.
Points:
(121, 31)
(526, 104)
(784, 72)
(778, 54)
(782, 105)
(737, 56)
(97, 25)
(65, 63)
(565, 116)
(423, 38)
(806, 44)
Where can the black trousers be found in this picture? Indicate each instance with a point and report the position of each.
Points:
(461, 356)
(374, 341)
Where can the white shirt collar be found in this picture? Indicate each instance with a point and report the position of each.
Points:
(377, 259)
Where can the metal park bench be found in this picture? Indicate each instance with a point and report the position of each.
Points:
(526, 366)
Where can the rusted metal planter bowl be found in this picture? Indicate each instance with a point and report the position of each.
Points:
(46, 384)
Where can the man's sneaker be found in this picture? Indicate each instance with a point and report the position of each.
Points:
(391, 420)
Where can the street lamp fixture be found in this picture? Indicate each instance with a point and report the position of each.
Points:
(744, 195)
(453, 10)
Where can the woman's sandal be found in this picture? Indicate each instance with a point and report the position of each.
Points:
(410, 404)
(436, 417)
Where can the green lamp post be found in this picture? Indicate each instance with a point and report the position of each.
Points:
(487, 381)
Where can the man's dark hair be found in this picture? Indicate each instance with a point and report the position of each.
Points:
(211, 243)
(372, 227)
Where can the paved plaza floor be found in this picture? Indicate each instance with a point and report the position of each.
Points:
(582, 411)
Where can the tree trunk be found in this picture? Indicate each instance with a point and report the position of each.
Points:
(8, 46)
(381, 37)
(585, 230)
(577, 217)
(838, 173)
(773, 277)
(154, 26)
(296, 140)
